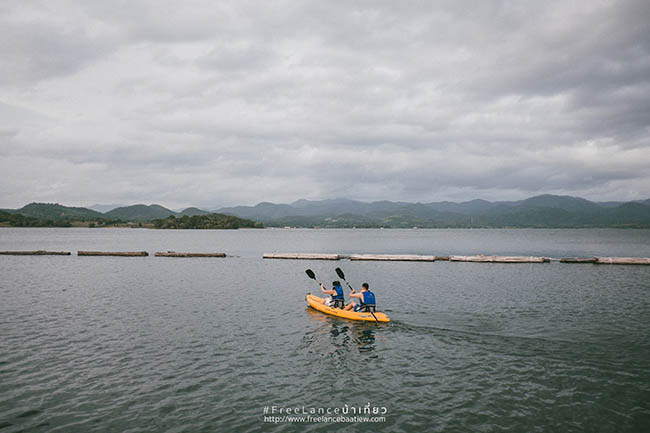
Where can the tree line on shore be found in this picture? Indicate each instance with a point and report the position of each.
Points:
(208, 221)
(56, 215)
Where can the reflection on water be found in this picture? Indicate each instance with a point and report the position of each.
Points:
(343, 334)
(366, 340)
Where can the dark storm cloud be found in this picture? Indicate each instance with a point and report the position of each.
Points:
(238, 102)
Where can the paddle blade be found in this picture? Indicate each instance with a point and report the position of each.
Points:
(310, 274)
(340, 273)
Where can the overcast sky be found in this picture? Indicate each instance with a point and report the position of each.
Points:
(213, 103)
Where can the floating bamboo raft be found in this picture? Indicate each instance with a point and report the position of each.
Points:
(393, 257)
(175, 254)
(35, 253)
(302, 256)
(623, 260)
(499, 259)
(578, 260)
(114, 253)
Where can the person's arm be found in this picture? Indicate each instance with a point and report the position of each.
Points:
(327, 292)
(356, 295)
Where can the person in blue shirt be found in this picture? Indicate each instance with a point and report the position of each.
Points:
(337, 298)
(366, 300)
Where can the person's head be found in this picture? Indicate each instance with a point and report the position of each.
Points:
(364, 287)
(336, 283)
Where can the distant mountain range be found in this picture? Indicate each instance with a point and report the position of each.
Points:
(538, 211)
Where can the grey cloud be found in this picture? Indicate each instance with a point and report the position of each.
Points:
(239, 102)
(40, 42)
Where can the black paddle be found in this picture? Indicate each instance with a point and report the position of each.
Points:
(311, 275)
(341, 275)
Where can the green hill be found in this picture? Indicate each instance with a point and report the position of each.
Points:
(567, 203)
(55, 211)
(191, 211)
(139, 212)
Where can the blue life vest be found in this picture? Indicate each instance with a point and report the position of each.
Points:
(368, 298)
(339, 294)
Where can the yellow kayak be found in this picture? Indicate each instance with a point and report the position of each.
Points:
(317, 303)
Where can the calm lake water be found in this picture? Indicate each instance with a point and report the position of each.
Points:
(112, 344)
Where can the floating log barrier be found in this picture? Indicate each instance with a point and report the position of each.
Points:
(499, 259)
(35, 253)
(578, 260)
(175, 254)
(301, 256)
(623, 260)
(393, 257)
(114, 253)
(480, 258)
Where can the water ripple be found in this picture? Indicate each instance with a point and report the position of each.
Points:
(184, 346)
